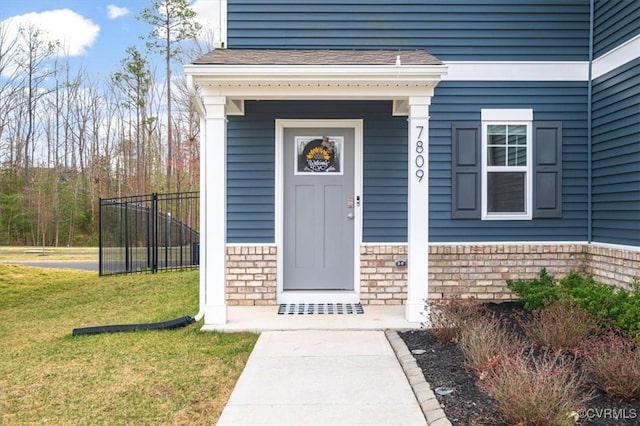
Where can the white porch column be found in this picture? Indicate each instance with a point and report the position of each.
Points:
(418, 214)
(213, 210)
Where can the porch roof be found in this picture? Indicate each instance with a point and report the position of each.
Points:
(315, 74)
(316, 57)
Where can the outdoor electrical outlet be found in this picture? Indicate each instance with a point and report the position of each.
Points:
(401, 262)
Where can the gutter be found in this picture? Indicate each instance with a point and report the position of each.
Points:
(590, 128)
(202, 112)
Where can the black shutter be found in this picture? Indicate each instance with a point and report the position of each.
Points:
(465, 170)
(547, 169)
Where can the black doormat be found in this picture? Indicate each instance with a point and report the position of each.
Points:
(320, 308)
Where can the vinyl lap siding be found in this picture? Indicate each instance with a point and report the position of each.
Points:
(615, 23)
(251, 174)
(250, 180)
(451, 30)
(251, 167)
(551, 101)
(616, 156)
(385, 179)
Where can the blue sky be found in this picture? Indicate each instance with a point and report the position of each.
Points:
(95, 33)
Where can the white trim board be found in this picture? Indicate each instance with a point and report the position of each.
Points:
(543, 70)
(507, 243)
(506, 115)
(616, 57)
(614, 246)
(516, 71)
(251, 245)
(315, 296)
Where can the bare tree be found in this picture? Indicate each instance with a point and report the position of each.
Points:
(34, 53)
(173, 21)
(10, 78)
(67, 139)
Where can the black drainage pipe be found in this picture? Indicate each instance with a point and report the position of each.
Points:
(163, 325)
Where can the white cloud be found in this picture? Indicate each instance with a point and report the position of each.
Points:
(116, 12)
(208, 14)
(74, 32)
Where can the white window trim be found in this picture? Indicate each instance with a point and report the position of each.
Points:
(508, 117)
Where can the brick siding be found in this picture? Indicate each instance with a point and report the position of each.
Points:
(381, 281)
(481, 271)
(251, 275)
(612, 265)
(463, 270)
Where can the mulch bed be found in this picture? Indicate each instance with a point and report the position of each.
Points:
(444, 366)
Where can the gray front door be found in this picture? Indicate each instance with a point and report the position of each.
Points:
(318, 208)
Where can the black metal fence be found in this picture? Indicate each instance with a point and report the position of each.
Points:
(148, 233)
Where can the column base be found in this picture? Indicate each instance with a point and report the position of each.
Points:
(215, 314)
(417, 312)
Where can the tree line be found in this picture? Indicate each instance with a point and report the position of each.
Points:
(68, 138)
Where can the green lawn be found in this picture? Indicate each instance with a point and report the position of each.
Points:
(47, 376)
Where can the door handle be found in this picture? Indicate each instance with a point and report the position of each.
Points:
(350, 216)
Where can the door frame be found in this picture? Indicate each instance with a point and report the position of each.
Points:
(317, 296)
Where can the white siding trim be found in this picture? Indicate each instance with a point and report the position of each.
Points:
(418, 209)
(383, 244)
(212, 15)
(213, 218)
(251, 245)
(223, 23)
(507, 243)
(516, 71)
(543, 70)
(616, 57)
(503, 115)
(614, 246)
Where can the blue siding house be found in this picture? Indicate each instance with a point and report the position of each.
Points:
(392, 153)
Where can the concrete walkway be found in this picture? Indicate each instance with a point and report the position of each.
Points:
(323, 377)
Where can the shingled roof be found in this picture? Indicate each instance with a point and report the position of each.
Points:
(316, 57)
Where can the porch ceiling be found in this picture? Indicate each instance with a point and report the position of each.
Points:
(247, 74)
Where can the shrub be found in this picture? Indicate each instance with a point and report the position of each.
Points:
(606, 302)
(537, 391)
(594, 297)
(537, 292)
(561, 326)
(450, 317)
(614, 362)
(484, 343)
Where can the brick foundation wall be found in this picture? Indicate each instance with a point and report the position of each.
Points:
(469, 270)
(612, 265)
(481, 271)
(381, 281)
(251, 275)
(466, 270)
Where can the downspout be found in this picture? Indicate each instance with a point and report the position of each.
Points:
(590, 127)
(191, 87)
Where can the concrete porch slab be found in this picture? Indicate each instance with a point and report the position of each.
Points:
(265, 318)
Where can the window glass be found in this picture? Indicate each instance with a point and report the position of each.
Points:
(506, 145)
(505, 192)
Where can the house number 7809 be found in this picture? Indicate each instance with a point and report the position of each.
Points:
(419, 160)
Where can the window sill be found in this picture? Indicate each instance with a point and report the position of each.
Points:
(506, 217)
